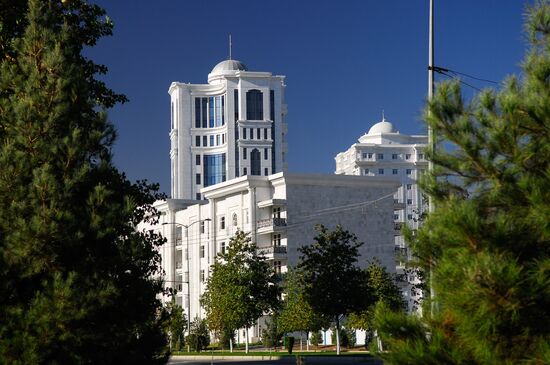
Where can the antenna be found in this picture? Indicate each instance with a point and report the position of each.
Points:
(230, 46)
(383, 118)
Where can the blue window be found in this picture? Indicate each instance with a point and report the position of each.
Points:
(218, 140)
(380, 156)
(409, 171)
(244, 153)
(380, 171)
(197, 112)
(236, 103)
(254, 105)
(266, 171)
(369, 155)
(255, 162)
(265, 133)
(197, 159)
(265, 153)
(394, 156)
(394, 171)
(204, 141)
(204, 108)
(198, 141)
(198, 179)
(244, 133)
(211, 111)
(214, 169)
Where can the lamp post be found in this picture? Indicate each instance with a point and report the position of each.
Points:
(186, 226)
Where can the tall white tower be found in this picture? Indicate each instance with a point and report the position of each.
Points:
(383, 151)
(232, 126)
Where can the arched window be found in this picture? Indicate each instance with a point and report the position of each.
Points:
(255, 162)
(235, 220)
(254, 105)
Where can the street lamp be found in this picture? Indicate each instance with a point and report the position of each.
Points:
(186, 226)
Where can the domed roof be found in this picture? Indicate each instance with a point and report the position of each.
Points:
(228, 65)
(382, 127)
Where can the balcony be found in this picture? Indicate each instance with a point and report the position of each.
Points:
(273, 252)
(270, 225)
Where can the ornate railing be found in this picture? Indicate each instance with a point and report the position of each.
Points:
(272, 250)
(276, 222)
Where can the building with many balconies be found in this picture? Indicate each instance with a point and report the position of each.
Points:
(279, 212)
(384, 152)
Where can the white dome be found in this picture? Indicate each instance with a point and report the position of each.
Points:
(228, 65)
(382, 127)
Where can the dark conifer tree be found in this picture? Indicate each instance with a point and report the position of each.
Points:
(487, 245)
(76, 277)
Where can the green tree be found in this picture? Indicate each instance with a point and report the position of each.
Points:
(241, 288)
(76, 276)
(296, 312)
(271, 334)
(198, 338)
(176, 325)
(487, 244)
(335, 283)
(383, 287)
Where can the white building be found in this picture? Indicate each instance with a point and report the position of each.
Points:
(385, 152)
(230, 127)
(279, 212)
(228, 172)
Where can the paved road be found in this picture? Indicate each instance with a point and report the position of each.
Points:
(283, 361)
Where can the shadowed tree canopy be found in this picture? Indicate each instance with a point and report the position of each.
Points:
(76, 277)
(487, 245)
(335, 285)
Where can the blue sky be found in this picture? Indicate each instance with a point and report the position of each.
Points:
(345, 61)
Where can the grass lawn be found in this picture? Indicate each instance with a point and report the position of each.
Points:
(273, 353)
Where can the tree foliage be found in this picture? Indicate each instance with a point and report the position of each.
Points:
(198, 338)
(272, 334)
(241, 287)
(487, 244)
(335, 282)
(76, 277)
(296, 312)
(382, 286)
(176, 325)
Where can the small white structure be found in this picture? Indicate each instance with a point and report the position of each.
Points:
(279, 212)
(384, 152)
(232, 126)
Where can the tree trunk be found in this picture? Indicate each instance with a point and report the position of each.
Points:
(230, 345)
(307, 340)
(337, 336)
(301, 338)
(246, 345)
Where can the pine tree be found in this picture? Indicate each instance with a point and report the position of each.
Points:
(76, 277)
(487, 245)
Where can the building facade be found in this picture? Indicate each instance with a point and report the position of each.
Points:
(279, 212)
(232, 126)
(384, 152)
